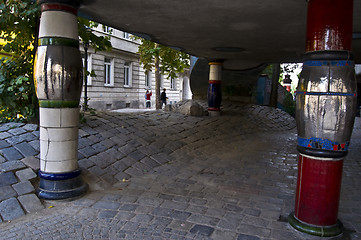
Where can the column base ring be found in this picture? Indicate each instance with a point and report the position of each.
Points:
(321, 231)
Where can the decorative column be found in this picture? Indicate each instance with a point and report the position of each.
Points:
(58, 78)
(214, 88)
(325, 112)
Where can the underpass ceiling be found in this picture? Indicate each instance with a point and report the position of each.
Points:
(245, 33)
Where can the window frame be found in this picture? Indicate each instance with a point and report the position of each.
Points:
(90, 64)
(148, 79)
(127, 77)
(173, 83)
(126, 35)
(109, 65)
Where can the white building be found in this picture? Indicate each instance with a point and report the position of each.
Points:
(120, 80)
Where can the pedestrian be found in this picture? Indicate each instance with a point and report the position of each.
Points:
(163, 98)
(147, 98)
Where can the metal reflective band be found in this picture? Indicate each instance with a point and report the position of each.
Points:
(324, 144)
(339, 63)
(57, 41)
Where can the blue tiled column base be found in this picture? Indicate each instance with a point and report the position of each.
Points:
(61, 186)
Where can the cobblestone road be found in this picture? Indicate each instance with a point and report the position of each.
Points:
(160, 175)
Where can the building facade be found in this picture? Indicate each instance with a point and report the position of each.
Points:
(120, 80)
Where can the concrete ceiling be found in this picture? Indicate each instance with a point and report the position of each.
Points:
(245, 33)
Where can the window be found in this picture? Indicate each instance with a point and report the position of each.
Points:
(127, 74)
(148, 79)
(89, 78)
(161, 81)
(108, 72)
(107, 29)
(173, 83)
(126, 35)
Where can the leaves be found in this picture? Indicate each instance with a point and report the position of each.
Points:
(99, 43)
(171, 61)
(19, 26)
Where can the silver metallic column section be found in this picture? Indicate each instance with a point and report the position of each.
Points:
(326, 104)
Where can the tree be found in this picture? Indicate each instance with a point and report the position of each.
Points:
(19, 23)
(164, 60)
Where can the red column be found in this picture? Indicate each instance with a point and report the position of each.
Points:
(325, 114)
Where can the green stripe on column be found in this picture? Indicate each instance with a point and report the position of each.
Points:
(58, 41)
(58, 104)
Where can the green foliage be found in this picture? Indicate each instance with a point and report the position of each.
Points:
(99, 43)
(289, 104)
(286, 68)
(17, 99)
(19, 22)
(171, 61)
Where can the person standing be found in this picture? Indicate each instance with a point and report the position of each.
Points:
(163, 98)
(147, 98)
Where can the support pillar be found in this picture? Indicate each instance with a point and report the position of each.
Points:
(325, 112)
(58, 78)
(214, 89)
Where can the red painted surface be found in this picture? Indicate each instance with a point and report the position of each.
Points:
(214, 82)
(58, 7)
(329, 25)
(318, 190)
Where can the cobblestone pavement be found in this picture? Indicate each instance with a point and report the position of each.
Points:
(161, 175)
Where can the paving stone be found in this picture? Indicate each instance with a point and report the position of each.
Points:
(99, 147)
(4, 135)
(11, 166)
(30, 203)
(202, 230)
(180, 215)
(107, 214)
(2, 159)
(121, 175)
(4, 144)
(11, 154)
(207, 220)
(26, 174)
(83, 133)
(29, 136)
(17, 131)
(26, 149)
(247, 237)
(89, 130)
(15, 140)
(253, 212)
(134, 171)
(106, 205)
(160, 158)
(109, 178)
(88, 151)
(129, 207)
(97, 171)
(10, 209)
(35, 144)
(7, 179)
(85, 163)
(23, 187)
(137, 155)
(30, 127)
(7, 192)
(32, 162)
